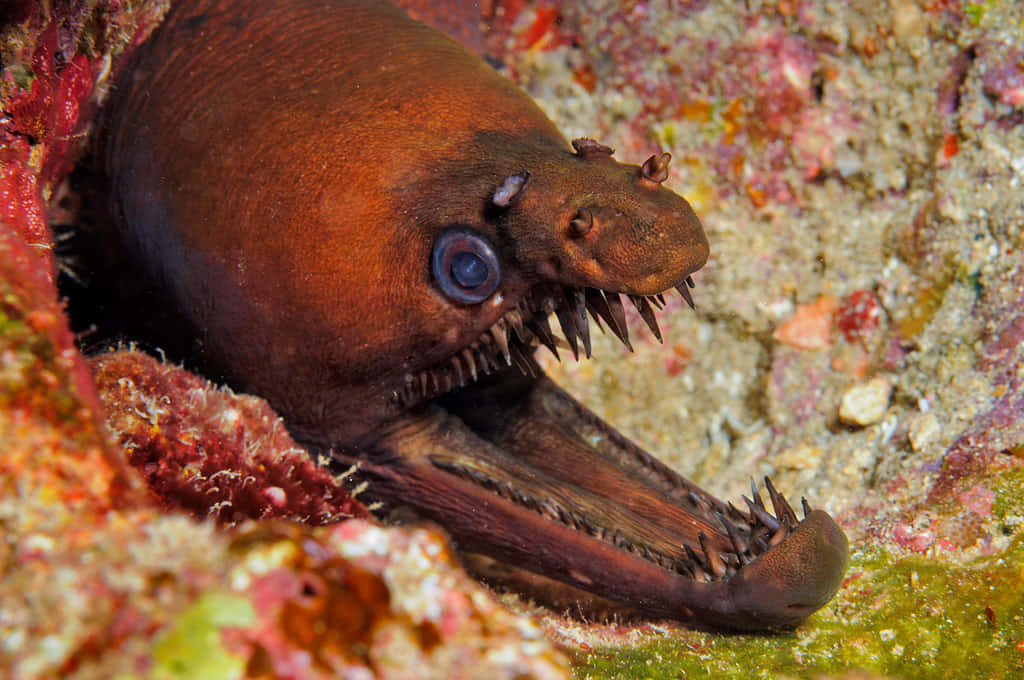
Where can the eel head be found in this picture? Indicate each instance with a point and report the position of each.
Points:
(481, 441)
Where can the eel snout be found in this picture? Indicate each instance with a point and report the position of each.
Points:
(615, 226)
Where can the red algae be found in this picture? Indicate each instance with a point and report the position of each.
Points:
(47, 399)
(858, 316)
(20, 205)
(210, 452)
(50, 108)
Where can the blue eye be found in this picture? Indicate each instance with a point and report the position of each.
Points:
(465, 265)
(469, 270)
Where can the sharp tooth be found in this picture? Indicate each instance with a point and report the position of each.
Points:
(738, 544)
(619, 313)
(806, 506)
(423, 383)
(601, 308)
(578, 306)
(783, 511)
(737, 516)
(500, 335)
(533, 370)
(515, 320)
(542, 329)
(714, 559)
(695, 560)
(566, 319)
(685, 292)
(755, 494)
(597, 306)
(658, 301)
(758, 513)
(460, 377)
(647, 314)
(685, 568)
(467, 356)
(523, 361)
(517, 361)
(487, 351)
(483, 359)
(701, 504)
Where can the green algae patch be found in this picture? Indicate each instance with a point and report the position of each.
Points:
(904, 618)
(193, 647)
(1008, 502)
(951, 615)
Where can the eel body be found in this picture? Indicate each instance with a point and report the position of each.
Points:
(365, 224)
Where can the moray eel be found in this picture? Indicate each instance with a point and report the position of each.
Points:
(368, 226)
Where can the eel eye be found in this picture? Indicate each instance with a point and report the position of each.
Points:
(465, 265)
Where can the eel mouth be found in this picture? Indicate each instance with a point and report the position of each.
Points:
(512, 339)
(517, 470)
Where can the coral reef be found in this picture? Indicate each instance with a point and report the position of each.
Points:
(857, 166)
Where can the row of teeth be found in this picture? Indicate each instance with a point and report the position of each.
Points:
(511, 340)
(750, 534)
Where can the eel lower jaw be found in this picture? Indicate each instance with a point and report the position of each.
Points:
(757, 598)
(492, 514)
(515, 469)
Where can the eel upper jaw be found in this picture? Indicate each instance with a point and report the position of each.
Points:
(512, 339)
(516, 469)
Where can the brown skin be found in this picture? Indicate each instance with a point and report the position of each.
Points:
(283, 172)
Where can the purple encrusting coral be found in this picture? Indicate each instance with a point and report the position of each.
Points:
(998, 432)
